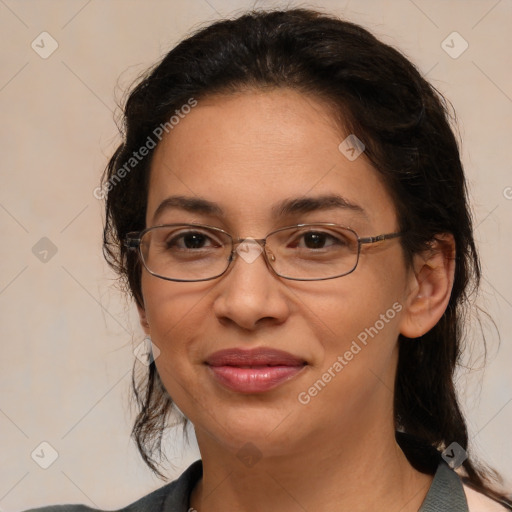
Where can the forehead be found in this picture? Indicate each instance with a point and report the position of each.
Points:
(252, 150)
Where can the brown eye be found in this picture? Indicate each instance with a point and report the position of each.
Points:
(192, 240)
(316, 240)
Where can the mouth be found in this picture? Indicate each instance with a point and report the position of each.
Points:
(254, 371)
(254, 357)
(256, 365)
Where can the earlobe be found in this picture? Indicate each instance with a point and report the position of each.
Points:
(143, 320)
(430, 286)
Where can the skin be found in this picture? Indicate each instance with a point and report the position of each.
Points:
(338, 452)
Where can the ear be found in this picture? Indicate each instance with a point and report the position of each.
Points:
(143, 319)
(429, 287)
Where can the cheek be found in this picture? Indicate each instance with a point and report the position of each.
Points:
(358, 338)
(361, 318)
(170, 308)
(361, 315)
(180, 323)
(174, 316)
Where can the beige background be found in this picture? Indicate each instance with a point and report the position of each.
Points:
(68, 335)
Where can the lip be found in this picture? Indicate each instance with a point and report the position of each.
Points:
(254, 371)
(254, 357)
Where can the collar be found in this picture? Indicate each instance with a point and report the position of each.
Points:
(446, 492)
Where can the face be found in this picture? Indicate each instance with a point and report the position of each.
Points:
(247, 153)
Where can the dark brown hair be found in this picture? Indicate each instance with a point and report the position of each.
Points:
(404, 123)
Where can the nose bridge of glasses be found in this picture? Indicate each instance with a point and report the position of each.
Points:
(250, 248)
(259, 241)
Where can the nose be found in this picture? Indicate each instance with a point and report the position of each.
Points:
(250, 294)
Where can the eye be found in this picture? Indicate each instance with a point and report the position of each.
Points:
(190, 240)
(316, 240)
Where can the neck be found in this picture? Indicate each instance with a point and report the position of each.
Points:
(361, 470)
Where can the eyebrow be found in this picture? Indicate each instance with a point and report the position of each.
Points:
(283, 208)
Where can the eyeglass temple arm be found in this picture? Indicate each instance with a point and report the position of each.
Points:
(379, 238)
(132, 241)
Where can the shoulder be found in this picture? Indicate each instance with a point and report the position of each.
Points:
(153, 501)
(478, 502)
(172, 497)
(62, 508)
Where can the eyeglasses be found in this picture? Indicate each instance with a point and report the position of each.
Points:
(196, 252)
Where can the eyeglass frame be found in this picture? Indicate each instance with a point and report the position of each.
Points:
(133, 239)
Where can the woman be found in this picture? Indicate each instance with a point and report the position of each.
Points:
(288, 210)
